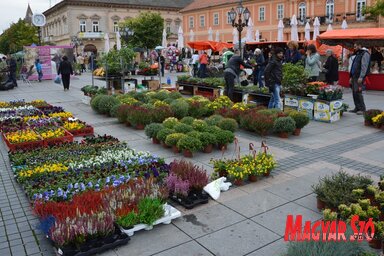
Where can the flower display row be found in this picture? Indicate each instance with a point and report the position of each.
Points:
(374, 117)
(251, 166)
(27, 127)
(342, 196)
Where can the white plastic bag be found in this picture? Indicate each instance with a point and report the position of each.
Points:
(214, 188)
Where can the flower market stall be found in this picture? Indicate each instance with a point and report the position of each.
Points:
(368, 37)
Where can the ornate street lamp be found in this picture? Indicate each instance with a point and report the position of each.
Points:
(125, 33)
(240, 24)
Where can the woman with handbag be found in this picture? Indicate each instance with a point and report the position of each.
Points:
(65, 69)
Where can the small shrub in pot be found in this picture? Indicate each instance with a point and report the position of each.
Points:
(187, 120)
(228, 124)
(284, 125)
(190, 143)
(152, 129)
(183, 128)
(173, 139)
(180, 108)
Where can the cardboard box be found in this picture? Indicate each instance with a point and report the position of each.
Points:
(328, 106)
(328, 117)
(308, 112)
(291, 101)
(306, 103)
(153, 85)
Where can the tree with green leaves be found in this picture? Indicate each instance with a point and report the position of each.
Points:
(376, 9)
(16, 36)
(147, 28)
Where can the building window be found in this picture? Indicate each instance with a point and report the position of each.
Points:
(83, 26)
(95, 26)
(302, 12)
(191, 22)
(168, 28)
(215, 19)
(115, 26)
(330, 9)
(280, 11)
(360, 6)
(202, 21)
(228, 19)
(262, 13)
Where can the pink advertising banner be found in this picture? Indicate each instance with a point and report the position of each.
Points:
(49, 56)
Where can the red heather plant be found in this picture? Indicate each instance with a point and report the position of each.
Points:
(258, 122)
(187, 171)
(122, 113)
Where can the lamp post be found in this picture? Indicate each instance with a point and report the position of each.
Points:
(240, 23)
(125, 33)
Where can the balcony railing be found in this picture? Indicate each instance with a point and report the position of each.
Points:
(91, 35)
(336, 19)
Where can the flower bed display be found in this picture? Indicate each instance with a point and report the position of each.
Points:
(22, 139)
(251, 166)
(78, 128)
(342, 196)
(185, 184)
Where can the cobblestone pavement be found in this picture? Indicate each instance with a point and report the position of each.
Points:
(247, 220)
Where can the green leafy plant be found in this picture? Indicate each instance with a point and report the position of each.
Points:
(183, 78)
(106, 103)
(150, 209)
(284, 124)
(207, 138)
(114, 110)
(301, 119)
(183, 128)
(139, 115)
(95, 102)
(330, 94)
(199, 125)
(170, 122)
(329, 215)
(294, 79)
(152, 129)
(180, 108)
(224, 137)
(173, 139)
(128, 220)
(163, 133)
(187, 120)
(189, 143)
(214, 119)
(228, 124)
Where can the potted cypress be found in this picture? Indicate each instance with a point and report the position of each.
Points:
(284, 126)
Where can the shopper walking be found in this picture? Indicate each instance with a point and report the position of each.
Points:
(39, 69)
(273, 75)
(312, 63)
(232, 72)
(203, 59)
(12, 66)
(258, 71)
(359, 70)
(331, 68)
(65, 69)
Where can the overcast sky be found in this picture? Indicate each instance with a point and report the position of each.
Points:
(12, 10)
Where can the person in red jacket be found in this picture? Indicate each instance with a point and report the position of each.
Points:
(203, 59)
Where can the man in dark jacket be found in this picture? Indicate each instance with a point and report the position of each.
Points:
(273, 76)
(359, 70)
(232, 72)
(65, 69)
(12, 66)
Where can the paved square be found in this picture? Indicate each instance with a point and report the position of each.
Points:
(246, 220)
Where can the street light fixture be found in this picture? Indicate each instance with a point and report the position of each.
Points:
(240, 24)
(126, 32)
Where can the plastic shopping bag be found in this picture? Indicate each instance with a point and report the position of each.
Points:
(57, 80)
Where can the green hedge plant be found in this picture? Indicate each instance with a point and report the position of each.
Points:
(190, 143)
(228, 124)
(284, 124)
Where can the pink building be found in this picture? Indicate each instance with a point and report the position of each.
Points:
(200, 15)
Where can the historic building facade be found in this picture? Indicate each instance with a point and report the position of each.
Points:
(200, 15)
(83, 23)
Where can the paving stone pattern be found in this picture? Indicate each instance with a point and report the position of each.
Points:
(247, 220)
